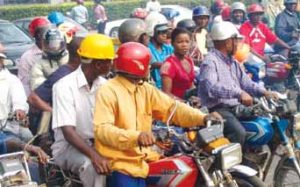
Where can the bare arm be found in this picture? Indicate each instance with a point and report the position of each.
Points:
(36, 101)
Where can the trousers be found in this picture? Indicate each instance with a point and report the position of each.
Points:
(117, 179)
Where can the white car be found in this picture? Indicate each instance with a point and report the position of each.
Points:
(112, 27)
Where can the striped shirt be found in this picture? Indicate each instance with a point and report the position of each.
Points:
(222, 81)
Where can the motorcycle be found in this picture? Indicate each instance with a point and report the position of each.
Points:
(273, 130)
(205, 158)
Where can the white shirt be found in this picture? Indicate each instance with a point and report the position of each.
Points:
(12, 95)
(153, 6)
(73, 105)
(80, 14)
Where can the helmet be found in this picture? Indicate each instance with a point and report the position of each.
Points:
(255, 8)
(139, 13)
(153, 19)
(277, 71)
(290, 1)
(224, 30)
(37, 22)
(131, 30)
(56, 17)
(69, 30)
(260, 131)
(200, 11)
(217, 7)
(133, 58)
(188, 24)
(96, 46)
(226, 13)
(54, 43)
(170, 14)
(242, 53)
(238, 6)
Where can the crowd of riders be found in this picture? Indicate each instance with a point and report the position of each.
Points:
(96, 100)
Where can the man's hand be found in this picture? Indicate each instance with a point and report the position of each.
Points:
(100, 163)
(214, 116)
(146, 139)
(246, 99)
(20, 114)
(43, 157)
(271, 95)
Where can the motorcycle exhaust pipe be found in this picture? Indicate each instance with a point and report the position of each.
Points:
(208, 181)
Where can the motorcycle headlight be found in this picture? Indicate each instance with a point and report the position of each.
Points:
(297, 122)
(229, 156)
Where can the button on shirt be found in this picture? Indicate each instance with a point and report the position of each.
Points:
(122, 111)
(27, 61)
(222, 81)
(73, 105)
(12, 94)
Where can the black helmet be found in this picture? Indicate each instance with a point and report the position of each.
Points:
(188, 24)
(54, 43)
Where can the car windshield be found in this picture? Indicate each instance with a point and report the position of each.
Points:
(9, 34)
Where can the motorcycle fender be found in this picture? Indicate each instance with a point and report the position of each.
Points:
(245, 170)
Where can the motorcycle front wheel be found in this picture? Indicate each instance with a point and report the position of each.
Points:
(286, 174)
(246, 181)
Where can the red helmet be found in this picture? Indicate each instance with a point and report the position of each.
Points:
(277, 71)
(255, 8)
(37, 22)
(226, 13)
(217, 6)
(133, 58)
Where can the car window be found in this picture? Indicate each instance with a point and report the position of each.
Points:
(9, 33)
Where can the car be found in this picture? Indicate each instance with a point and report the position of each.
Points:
(15, 43)
(24, 22)
(112, 27)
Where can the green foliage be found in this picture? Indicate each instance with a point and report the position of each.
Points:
(115, 9)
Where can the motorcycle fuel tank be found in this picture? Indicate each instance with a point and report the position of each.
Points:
(179, 171)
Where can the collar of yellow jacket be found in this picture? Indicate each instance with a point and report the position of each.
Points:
(126, 83)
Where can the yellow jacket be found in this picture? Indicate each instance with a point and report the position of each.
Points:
(122, 111)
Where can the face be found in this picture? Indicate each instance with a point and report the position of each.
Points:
(291, 6)
(182, 44)
(101, 67)
(201, 21)
(256, 18)
(162, 37)
(238, 15)
(231, 45)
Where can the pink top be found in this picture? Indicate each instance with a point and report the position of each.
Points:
(27, 60)
(182, 80)
(99, 13)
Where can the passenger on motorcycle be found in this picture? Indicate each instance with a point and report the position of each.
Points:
(125, 108)
(157, 29)
(54, 55)
(201, 17)
(238, 14)
(287, 26)
(37, 28)
(177, 71)
(257, 34)
(223, 84)
(73, 104)
(12, 102)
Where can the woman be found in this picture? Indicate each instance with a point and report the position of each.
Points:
(178, 70)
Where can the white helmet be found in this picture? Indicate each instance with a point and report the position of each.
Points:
(238, 6)
(224, 30)
(153, 19)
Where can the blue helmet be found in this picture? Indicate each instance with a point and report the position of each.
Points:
(56, 17)
(200, 11)
(259, 131)
(170, 13)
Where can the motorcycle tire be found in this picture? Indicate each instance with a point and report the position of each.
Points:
(286, 175)
(246, 181)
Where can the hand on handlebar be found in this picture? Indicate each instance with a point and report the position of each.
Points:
(20, 114)
(246, 99)
(271, 95)
(146, 139)
(214, 116)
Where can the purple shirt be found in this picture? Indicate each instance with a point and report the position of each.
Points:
(222, 80)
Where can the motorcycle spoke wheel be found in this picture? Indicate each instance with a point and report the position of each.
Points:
(287, 177)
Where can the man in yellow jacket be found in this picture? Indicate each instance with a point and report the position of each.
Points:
(125, 107)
